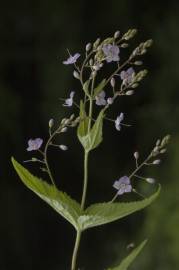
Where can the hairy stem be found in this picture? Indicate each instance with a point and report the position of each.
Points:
(75, 250)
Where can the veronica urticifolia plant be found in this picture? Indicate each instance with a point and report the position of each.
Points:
(99, 96)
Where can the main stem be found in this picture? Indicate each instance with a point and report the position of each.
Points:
(75, 251)
(78, 234)
(85, 184)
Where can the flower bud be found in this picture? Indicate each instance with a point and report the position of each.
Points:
(51, 123)
(113, 82)
(91, 62)
(130, 92)
(63, 147)
(138, 63)
(96, 43)
(76, 74)
(163, 151)
(88, 47)
(156, 162)
(150, 180)
(34, 159)
(116, 34)
(124, 45)
(136, 155)
(64, 129)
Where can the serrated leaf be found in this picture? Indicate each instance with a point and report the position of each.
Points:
(93, 138)
(61, 202)
(130, 258)
(103, 213)
(99, 88)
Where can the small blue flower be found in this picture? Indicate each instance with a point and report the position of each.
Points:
(123, 185)
(118, 121)
(111, 52)
(127, 75)
(69, 101)
(72, 59)
(34, 144)
(100, 99)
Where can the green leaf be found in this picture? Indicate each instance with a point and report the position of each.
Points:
(130, 258)
(93, 138)
(102, 213)
(99, 88)
(61, 202)
(86, 87)
(83, 125)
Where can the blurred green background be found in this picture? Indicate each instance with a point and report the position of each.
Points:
(33, 41)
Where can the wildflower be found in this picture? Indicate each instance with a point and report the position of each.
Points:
(100, 99)
(69, 101)
(118, 121)
(123, 185)
(34, 144)
(110, 100)
(111, 52)
(63, 147)
(127, 75)
(72, 59)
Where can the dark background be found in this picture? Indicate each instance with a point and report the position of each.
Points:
(34, 36)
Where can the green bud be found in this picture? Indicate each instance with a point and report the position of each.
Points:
(88, 47)
(51, 123)
(124, 45)
(96, 43)
(76, 74)
(116, 34)
(130, 92)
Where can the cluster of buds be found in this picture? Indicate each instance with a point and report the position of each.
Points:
(141, 49)
(160, 147)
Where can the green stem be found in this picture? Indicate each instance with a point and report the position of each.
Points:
(85, 184)
(75, 250)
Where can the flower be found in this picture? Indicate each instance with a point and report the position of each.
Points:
(127, 75)
(123, 185)
(118, 121)
(34, 144)
(69, 101)
(111, 52)
(100, 99)
(71, 59)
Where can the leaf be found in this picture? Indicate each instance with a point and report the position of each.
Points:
(103, 213)
(99, 88)
(96, 133)
(86, 87)
(61, 202)
(130, 258)
(93, 138)
(83, 126)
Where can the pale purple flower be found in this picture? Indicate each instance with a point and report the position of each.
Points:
(111, 52)
(100, 99)
(118, 121)
(71, 59)
(34, 144)
(69, 101)
(123, 185)
(127, 75)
